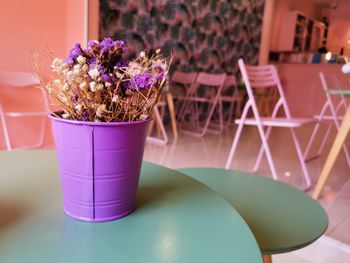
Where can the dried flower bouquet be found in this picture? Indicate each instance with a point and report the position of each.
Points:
(97, 84)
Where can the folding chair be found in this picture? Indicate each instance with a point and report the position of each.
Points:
(260, 77)
(234, 99)
(194, 102)
(185, 81)
(19, 80)
(333, 117)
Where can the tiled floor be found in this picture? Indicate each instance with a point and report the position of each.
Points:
(212, 151)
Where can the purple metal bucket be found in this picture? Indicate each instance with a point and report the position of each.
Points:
(99, 165)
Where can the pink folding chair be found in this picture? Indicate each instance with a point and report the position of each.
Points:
(334, 117)
(233, 100)
(17, 81)
(264, 77)
(194, 103)
(181, 86)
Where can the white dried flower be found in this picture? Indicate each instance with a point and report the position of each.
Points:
(77, 69)
(135, 68)
(65, 115)
(119, 75)
(81, 60)
(58, 65)
(78, 107)
(100, 110)
(94, 73)
(63, 99)
(57, 82)
(99, 86)
(92, 86)
(115, 98)
(158, 51)
(142, 54)
(82, 85)
(143, 117)
(69, 75)
(49, 89)
(163, 66)
(107, 84)
(65, 87)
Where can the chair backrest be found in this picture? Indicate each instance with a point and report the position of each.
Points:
(230, 85)
(18, 79)
(263, 77)
(213, 83)
(186, 78)
(210, 79)
(230, 80)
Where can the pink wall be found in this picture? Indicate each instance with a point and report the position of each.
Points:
(339, 28)
(34, 26)
(28, 26)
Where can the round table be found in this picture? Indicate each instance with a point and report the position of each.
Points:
(177, 219)
(281, 217)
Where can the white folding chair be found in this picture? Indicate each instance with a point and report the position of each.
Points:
(194, 102)
(17, 81)
(260, 77)
(334, 117)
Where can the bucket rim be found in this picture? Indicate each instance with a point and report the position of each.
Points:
(91, 123)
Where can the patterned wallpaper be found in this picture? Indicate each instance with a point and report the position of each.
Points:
(203, 35)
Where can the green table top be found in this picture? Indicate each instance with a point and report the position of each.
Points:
(281, 217)
(339, 91)
(177, 219)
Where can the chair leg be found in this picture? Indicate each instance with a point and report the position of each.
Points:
(301, 159)
(171, 107)
(312, 138)
(237, 136)
(261, 151)
(5, 130)
(333, 154)
(234, 146)
(320, 150)
(161, 127)
(221, 117)
(207, 122)
(267, 152)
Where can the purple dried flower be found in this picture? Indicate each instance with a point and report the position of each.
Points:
(121, 45)
(160, 75)
(106, 45)
(93, 63)
(102, 69)
(74, 53)
(125, 85)
(122, 63)
(86, 115)
(143, 81)
(91, 45)
(107, 78)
